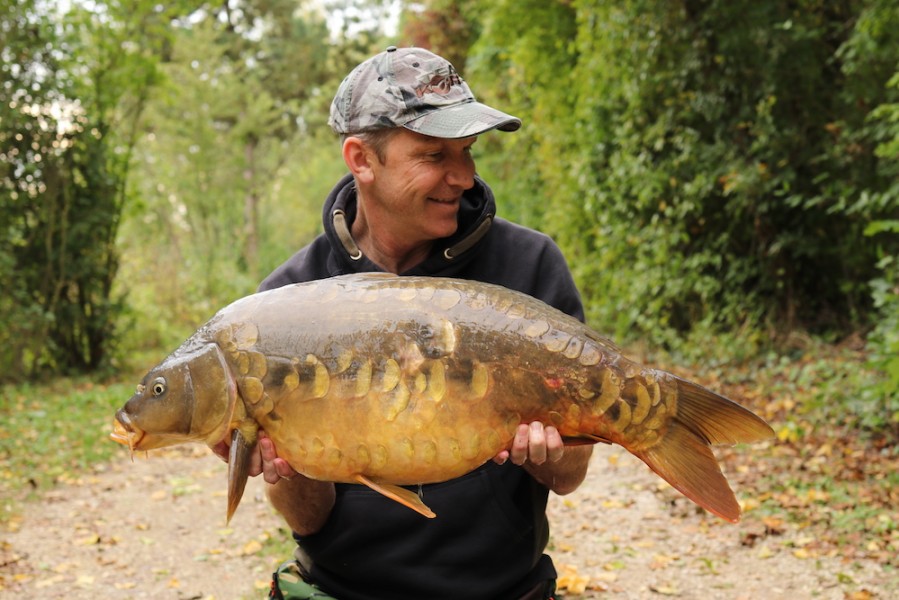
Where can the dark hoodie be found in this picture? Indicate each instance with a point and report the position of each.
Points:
(491, 529)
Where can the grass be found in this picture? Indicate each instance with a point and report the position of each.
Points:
(53, 432)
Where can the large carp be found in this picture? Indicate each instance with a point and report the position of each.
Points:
(390, 381)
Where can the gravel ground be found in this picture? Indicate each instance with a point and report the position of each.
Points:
(156, 529)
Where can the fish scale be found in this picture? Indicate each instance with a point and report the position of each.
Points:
(394, 381)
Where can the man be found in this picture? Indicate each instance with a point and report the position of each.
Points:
(413, 205)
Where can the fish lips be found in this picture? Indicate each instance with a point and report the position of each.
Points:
(125, 432)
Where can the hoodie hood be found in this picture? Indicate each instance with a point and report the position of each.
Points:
(448, 256)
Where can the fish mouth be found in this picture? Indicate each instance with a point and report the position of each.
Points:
(126, 433)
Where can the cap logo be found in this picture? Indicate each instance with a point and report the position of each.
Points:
(440, 83)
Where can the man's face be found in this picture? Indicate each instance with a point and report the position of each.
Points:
(417, 190)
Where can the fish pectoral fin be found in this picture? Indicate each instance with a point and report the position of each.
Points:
(584, 439)
(401, 495)
(238, 468)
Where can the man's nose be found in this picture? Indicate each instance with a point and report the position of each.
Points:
(461, 173)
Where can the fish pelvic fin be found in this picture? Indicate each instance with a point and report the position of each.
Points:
(401, 495)
(683, 457)
(242, 447)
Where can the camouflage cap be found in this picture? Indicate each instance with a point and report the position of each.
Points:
(415, 89)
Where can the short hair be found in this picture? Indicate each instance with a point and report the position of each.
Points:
(376, 139)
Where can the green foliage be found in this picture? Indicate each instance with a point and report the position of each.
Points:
(52, 433)
(883, 394)
(234, 162)
(884, 340)
(872, 49)
(707, 166)
(445, 27)
(71, 96)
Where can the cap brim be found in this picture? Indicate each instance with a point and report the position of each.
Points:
(463, 120)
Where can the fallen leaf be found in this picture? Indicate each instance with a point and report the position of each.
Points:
(251, 547)
(571, 582)
(125, 585)
(89, 540)
(665, 590)
(661, 561)
(49, 581)
(774, 525)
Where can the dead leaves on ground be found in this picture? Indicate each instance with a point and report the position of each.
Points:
(140, 531)
(819, 491)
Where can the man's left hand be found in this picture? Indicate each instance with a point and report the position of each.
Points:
(533, 443)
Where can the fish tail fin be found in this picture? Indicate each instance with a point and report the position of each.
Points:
(683, 456)
(716, 419)
(238, 469)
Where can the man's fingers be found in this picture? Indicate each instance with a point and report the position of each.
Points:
(267, 457)
(555, 447)
(518, 453)
(537, 443)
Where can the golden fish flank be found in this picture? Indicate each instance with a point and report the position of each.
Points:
(389, 381)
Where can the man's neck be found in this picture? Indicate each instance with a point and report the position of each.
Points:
(388, 252)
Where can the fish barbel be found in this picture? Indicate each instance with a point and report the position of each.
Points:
(389, 381)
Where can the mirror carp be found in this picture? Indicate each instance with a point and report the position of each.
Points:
(394, 381)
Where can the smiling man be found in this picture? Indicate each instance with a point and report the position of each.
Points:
(412, 204)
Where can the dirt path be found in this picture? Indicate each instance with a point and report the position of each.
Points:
(155, 529)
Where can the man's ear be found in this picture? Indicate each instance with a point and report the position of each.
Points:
(358, 158)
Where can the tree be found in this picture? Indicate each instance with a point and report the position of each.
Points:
(706, 164)
(72, 94)
(239, 98)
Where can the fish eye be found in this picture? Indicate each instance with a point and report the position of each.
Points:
(159, 387)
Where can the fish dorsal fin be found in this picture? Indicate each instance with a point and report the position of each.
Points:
(401, 495)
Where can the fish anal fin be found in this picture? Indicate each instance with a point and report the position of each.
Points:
(685, 460)
(239, 467)
(399, 494)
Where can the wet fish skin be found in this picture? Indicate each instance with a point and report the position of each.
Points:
(391, 381)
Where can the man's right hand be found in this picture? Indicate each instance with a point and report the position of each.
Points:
(264, 461)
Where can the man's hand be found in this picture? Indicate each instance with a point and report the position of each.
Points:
(264, 461)
(305, 504)
(540, 450)
(535, 444)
